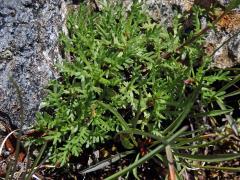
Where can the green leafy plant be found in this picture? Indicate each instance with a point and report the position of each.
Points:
(127, 77)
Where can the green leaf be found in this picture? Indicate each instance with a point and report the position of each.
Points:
(126, 142)
(194, 132)
(214, 113)
(183, 141)
(135, 173)
(230, 169)
(37, 160)
(206, 144)
(231, 83)
(234, 93)
(209, 158)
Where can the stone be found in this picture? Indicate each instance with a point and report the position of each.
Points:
(29, 33)
(227, 28)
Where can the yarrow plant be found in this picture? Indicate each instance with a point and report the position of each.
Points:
(118, 82)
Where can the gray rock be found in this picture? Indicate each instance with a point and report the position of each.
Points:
(29, 32)
(228, 54)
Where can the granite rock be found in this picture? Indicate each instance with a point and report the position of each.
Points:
(29, 32)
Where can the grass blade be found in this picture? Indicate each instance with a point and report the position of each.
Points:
(115, 112)
(119, 117)
(231, 169)
(209, 158)
(234, 81)
(193, 132)
(172, 127)
(214, 113)
(135, 169)
(225, 42)
(200, 145)
(183, 141)
(234, 93)
(230, 119)
(33, 169)
(142, 133)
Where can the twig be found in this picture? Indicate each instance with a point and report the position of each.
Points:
(172, 172)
